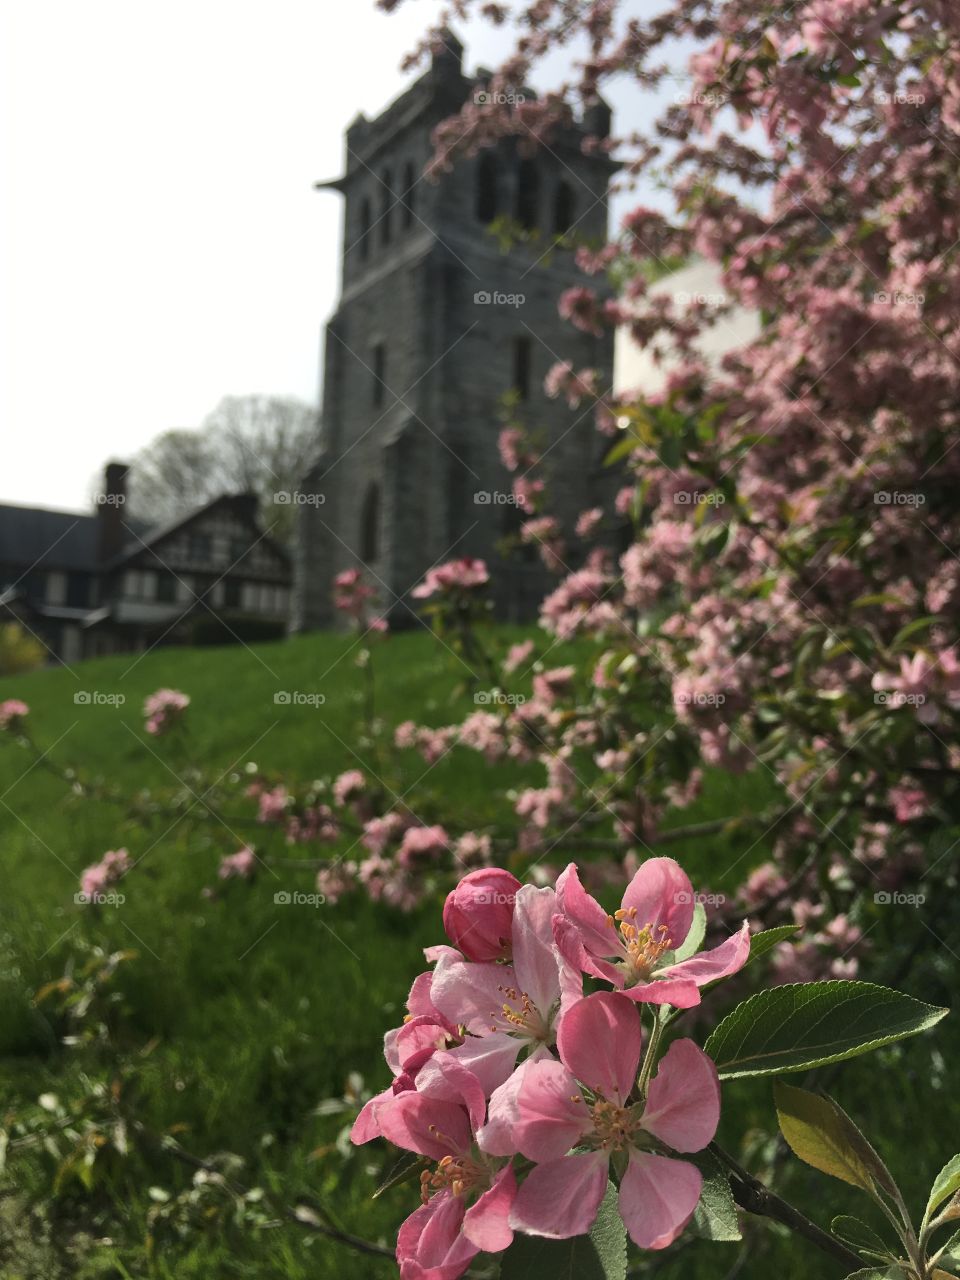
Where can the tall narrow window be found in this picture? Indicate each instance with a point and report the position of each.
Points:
(528, 194)
(363, 240)
(409, 182)
(563, 208)
(370, 524)
(379, 373)
(386, 206)
(487, 198)
(521, 367)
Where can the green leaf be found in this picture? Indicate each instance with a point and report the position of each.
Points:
(691, 944)
(860, 1236)
(879, 1273)
(715, 1217)
(601, 1255)
(945, 1184)
(821, 1133)
(767, 939)
(794, 1028)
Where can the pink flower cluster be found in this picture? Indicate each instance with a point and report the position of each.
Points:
(240, 865)
(12, 713)
(526, 1094)
(163, 710)
(351, 595)
(454, 576)
(94, 880)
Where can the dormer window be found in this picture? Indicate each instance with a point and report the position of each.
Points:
(563, 208)
(366, 219)
(487, 195)
(528, 195)
(409, 182)
(386, 206)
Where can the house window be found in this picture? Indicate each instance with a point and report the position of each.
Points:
(199, 546)
(363, 240)
(486, 193)
(409, 182)
(166, 587)
(370, 524)
(563, 208)
(521, 367)
(231, 593)
(528, 194)
(379, 375)
(386, 206)
(238, 549)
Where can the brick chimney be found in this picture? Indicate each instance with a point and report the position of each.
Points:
(111, 511)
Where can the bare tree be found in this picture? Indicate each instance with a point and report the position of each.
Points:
(256, 444)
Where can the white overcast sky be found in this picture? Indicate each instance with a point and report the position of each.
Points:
(162, 244)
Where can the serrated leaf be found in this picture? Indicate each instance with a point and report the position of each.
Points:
(860, 1236)
(715, 1217)
(878, 1273)
(945, 1184)
(794, 1028)
(601, 1255)
(767, 939)
(821, 1134)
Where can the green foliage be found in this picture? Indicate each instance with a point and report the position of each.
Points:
(794, 1028)
(601, 1255)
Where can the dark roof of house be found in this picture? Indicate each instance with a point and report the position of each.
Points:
(38, 538)
(47, 539)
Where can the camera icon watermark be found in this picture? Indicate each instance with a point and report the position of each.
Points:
(897, 698)
(497, 298)
(700, 98)
(698, 498)
(297, 498)
(99, 899)
(495, 498)
(298, 698)
(94, 698)
(684, 899)
(497, 698)
(899, 498)
(498, 98)
(294, 898)
(700, 699)
(899, 298)
(895, 899)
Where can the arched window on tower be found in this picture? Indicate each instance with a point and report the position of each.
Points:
(487, 194)
(386, 206)
(409, 182)
(366, 219)
(528, 195)
(370, 524)
(563, 208)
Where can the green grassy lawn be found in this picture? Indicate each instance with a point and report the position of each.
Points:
(237, 1015)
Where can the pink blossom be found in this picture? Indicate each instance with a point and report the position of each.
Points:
(241, 864)
(455, 575)
(507, 1008)
(112, 867)
(599, 1043)
(163, 709)
(478, 913)
(349, 785)
(12, 713)
(635, 948)
(468, 1196)
(421, 843)
(516, 655)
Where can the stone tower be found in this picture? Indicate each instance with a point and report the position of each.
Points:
(436, 323)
